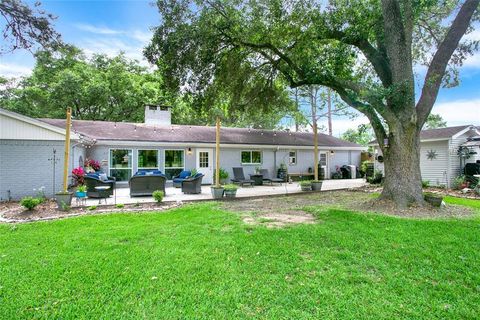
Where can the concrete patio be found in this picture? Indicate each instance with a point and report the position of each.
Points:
(121, 194)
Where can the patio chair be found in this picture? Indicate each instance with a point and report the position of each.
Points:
(93, 180)
(239, 177)
(177, 180)
(193, 185)
(145, 184)
(267, 178)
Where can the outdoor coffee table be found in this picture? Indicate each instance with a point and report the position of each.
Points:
(102, 193)
(257, 179)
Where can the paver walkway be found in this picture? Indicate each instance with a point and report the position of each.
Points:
(175, 194)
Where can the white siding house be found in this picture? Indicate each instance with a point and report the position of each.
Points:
(439, 161)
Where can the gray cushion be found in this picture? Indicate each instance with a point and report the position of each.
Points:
(103, 176)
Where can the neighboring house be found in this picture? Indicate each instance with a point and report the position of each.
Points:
(123, 148)
(439, 160)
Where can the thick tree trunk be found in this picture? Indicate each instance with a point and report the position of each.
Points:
(403, 181)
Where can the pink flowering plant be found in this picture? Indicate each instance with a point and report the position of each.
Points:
(78, 175)
(92, 165)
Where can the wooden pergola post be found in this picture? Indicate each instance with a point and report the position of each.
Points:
(67, 150)
(315, 149)
(217, 153)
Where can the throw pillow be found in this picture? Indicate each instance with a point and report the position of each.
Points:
(103, 176)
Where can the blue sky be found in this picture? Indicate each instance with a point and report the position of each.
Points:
(111, 26)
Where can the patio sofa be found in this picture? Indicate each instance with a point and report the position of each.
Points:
(177, 180)
(143, 183)
(193, 184)
(98, 179)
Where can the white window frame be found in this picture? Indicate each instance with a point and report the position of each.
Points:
(290, 162)
(110, 162)
(165, 155)
(143, 168)
(251, 158)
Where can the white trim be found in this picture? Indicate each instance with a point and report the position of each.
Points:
(37, 123)
(223, 145)
(471, 127)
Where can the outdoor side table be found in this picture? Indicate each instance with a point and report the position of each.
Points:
(102, 193)
(257, 179)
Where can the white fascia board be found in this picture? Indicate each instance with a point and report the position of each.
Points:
(223, 145)
(37, 123)
(471, 127)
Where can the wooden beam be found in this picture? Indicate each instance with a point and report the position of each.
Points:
(217, 153)
(67, 150)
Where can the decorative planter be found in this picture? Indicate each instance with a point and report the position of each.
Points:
(230, 193)
(64, 200)
(217, 192)
(434, 200)
(80, 194)
(307, 187)
(317, 185)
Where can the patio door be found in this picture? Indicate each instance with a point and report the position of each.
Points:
(205, 164)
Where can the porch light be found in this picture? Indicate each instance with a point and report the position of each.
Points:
(385, 142)
(189, 151)
(332, 152)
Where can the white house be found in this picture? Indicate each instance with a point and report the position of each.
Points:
(440, 163)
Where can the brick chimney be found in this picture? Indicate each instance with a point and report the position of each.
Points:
(158, 115)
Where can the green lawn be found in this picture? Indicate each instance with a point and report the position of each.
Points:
(199, 262)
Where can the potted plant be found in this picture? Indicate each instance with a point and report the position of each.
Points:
(306, 185)
(316, 185)
(231, 190)
(433, 198)
(217, 192)
(81, 191)
(282, 171)
(223, 176)
(64, 200)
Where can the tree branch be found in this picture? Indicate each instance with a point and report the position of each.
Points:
(434, 76)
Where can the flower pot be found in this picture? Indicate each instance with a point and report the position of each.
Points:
(317, 185)
(230, 193)
(306, 187)
(64, 200)
(80, 194)
(435, 201)
(217, 192)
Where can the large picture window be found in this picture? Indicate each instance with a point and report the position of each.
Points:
(174, 162)
(121, 164)
(147, 159)
(251, 157)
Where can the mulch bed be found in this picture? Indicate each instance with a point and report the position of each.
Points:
(13, 212)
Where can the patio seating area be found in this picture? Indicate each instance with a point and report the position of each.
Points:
(122, 193)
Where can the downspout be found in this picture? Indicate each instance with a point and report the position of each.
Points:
(448, 162)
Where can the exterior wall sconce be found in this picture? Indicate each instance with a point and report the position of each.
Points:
(189, 151)
(332, 152)
(385, 142)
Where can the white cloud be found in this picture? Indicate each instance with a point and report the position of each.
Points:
(459, 112)
(11, 70)
(97, 29)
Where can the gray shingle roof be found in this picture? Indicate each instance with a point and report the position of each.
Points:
(123, 131)
(437, 134)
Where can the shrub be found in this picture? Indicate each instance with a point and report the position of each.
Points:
(305, 183)
(223, 174)
(91, 208)
(459, 182)
(30, 202)
(158, 195)
(120, 205)
(425, 183)
(230, 187)
(82, 188)
(41, 194)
